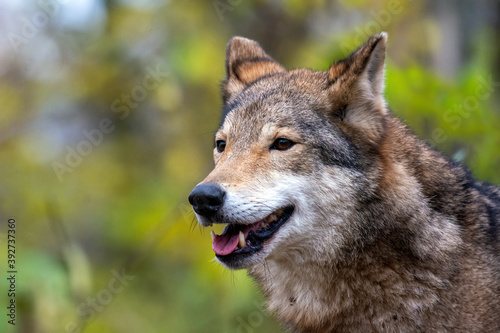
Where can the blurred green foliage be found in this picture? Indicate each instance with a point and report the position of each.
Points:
(121, 208)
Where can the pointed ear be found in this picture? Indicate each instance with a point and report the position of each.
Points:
(356, 84)
(246, 62)
(366, 63)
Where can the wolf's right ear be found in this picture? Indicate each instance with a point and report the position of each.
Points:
(246, 62)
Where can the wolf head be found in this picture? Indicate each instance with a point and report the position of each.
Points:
(295, 156)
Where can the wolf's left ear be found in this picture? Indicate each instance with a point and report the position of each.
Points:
(357, 84)
(246, 62)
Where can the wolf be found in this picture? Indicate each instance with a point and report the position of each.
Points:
(347, 221)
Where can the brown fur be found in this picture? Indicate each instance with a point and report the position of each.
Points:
(417, 248)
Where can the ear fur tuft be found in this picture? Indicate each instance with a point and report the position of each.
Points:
(357, 83)
(246, 62)
(369, 58)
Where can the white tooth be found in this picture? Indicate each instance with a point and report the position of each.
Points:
(263, 225)
(241, 241)
(212, 233)
(271, 218)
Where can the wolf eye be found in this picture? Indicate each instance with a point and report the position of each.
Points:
(282, 144)
(221, 146)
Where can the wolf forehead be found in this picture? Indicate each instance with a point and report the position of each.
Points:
(296, 99)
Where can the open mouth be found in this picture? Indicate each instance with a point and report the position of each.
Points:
(246, 239)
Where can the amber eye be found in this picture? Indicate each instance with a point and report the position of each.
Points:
(221, 146)
(282, 144)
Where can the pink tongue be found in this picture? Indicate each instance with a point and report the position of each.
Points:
(227, 242)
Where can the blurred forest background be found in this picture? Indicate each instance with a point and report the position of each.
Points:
(107, 115)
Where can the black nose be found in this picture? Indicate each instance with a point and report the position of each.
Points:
(206, 199)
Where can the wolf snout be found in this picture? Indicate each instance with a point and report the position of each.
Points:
(206, 199)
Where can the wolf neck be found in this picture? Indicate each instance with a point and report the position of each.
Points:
(406, 158)
(397, 275)
(371, 295)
